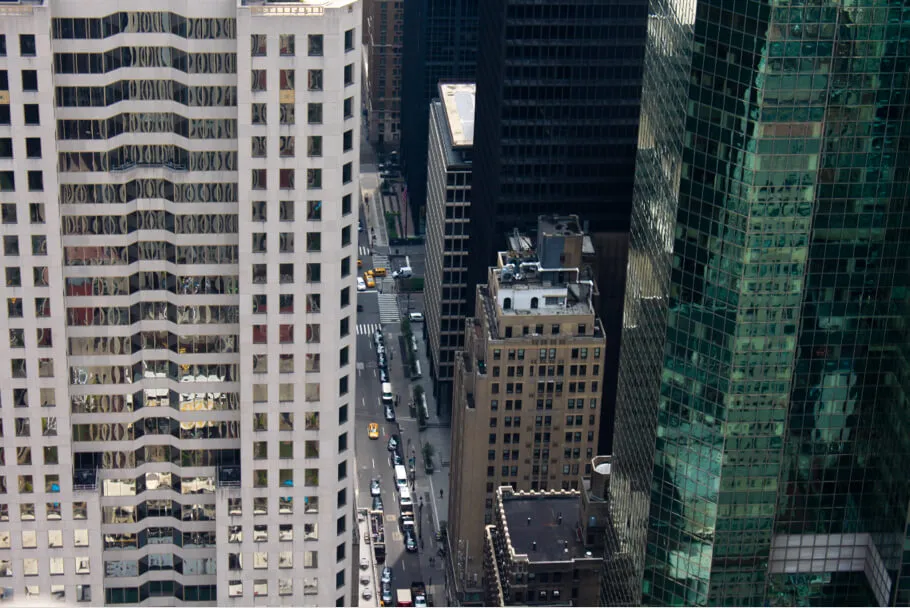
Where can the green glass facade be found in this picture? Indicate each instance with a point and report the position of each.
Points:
(761, 450)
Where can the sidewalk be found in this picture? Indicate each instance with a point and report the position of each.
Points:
(438, 434)
(395, 203)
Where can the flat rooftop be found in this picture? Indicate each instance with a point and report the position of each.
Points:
(458, 103)
(317, 6)
(555, 541)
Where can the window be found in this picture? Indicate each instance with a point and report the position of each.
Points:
(314, 80)
(286, 80)
(349, 74)
(259, 145)
(314, 179)
(33, 147)
(314, 45)
(313, 272)
(286, 146)
(27, 47)
(258, 81)
(346, 205)
(35, 181)
(286, 211)
(314, 241)
(29, 80)
(286, 45)
(258, 45)
(345, 267)
(347, 172)
(314, 211)
(6, 148)
(258, 211)
(349, 40)
(259, 180)
(314, 145)
(7, 181)
(287, 114)
(258, 113)
(349, 107)
(314, 113)
(348, 140)
(286, 273)
(32, 114)
(2, 45)
(286, 179)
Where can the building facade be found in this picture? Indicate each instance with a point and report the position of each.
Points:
(534, 555)
(383, 23)
(760, 453)
(558, 103)
(527, 385)
(448, 215)
(440, 45)
(176, 416)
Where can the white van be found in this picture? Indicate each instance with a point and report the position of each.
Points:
(404, 500)
(401, 477)
(387, 393)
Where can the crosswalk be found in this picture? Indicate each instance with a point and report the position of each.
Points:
(388, 308)
(368, 329)
(381, 261)
(364, 251)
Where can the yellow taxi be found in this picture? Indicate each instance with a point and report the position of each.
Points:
(368, 277)
(373, 430)
(359, 262)
(379, 272)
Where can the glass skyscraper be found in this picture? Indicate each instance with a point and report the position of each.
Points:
(762, 429)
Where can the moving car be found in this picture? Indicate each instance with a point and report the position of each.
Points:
(373, 430)
(416, 317)
(361, 284)
(378, 272)
(368, 279)
(359, 226)
(359, 263)
(389, 414)
(375, 487)
(403, 273)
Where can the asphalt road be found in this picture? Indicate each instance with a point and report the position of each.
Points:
(372, 454)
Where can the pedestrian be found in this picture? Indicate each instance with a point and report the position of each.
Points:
(440, 492)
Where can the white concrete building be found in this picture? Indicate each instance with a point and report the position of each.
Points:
(178, 350)
(450, 158)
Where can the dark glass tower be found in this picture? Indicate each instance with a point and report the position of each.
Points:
(558, 95)
(761, 446)
(440, 44)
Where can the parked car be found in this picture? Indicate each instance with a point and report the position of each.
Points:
(375, 487)
(410, 541)
(361, 284)
(383, 374)
(382, 360)
(387, 594)
(389, 414)
(364, 562)
(378, 338)
(377, 503)
(416, 317)
(386, 575)
(395, 458)
(393, 443)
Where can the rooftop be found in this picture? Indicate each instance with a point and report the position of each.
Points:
(298, 7)
(534, 517)
(458, 103)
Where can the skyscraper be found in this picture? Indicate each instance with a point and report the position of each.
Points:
(177, 346)
(440, 45)
(558, 89)
(382, 22)
(760, 453)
